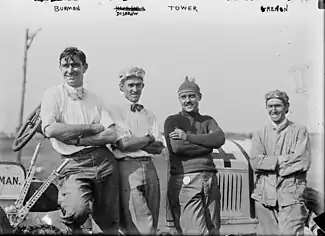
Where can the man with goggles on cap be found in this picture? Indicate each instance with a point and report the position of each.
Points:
(193, 190)
(280, 158)
(138, 139)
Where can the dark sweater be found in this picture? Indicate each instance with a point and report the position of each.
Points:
(194, 154)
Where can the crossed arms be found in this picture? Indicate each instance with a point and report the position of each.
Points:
(81, 135)
(145, 143)
(149, 143)
(193, 145)
(75, 134)
(297, 160)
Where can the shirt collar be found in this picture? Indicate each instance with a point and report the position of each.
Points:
(75, 93)
(77, 90)
(281, 126)
(190, 114)
(128, 103)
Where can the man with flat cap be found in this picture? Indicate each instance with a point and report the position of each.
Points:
(280, 158)
(193, 190)
(138, 139)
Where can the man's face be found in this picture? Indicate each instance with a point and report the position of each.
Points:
(276, 109)
(132, 89)
(73, 70)
(189, 101)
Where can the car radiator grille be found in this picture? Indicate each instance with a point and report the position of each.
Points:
(234, 193)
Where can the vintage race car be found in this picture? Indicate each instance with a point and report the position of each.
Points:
(236, 181)
(235, 176)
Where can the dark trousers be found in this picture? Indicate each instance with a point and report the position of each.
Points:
(91, 186)
(169, 215)
(288, 220)
(140, 196)
(5, 227)
(195, 203)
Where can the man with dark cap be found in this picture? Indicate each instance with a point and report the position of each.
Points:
(139, 138)
(280, 158)
(193, 191)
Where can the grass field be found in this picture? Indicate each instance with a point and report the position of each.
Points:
(49, 160)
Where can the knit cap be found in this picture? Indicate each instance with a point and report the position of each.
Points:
(189, 85)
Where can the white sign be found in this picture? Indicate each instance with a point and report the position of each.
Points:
(12, 178)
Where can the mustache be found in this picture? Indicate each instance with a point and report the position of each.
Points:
(70, 74)
(188, 103)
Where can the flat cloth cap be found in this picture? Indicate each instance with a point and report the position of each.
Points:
(188, 85)
(132, 72)
(283, 96)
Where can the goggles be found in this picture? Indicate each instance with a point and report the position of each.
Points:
(138, 73)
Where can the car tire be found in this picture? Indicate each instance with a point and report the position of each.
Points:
(314, 202)
(5, 227)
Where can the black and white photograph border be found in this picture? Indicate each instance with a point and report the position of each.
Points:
(237, 51)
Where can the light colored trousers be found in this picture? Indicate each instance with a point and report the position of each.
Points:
(194, 200)
(139, 196)
(289, 220)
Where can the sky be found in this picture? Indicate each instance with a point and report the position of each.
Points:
(235, 52)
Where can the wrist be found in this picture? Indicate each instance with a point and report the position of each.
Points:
(187, 137)
(77, 141)
(151, 138)
(164, 150)
(281, 160)
(87, 129)
(91, 128)
(80, 141)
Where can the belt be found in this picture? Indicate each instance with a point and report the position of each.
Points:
(128, 158)
(80, 153)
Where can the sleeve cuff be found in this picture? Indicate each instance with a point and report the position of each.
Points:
(189, 137)
(106, 120)
(43, 129)
(282, 159)
(121, 132)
